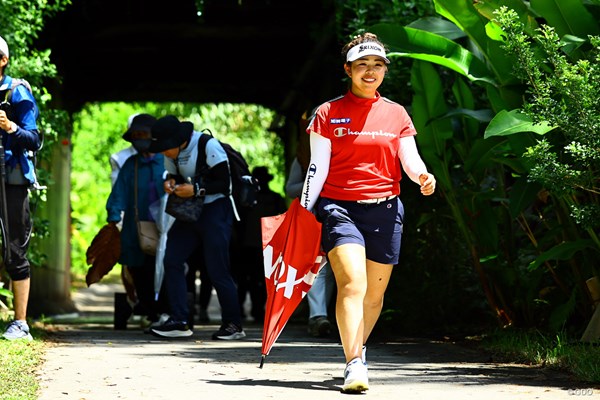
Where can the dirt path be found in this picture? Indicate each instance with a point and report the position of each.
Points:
(93, 361)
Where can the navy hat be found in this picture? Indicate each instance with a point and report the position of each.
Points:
(262, 174)
(169, 133)
(139, 122)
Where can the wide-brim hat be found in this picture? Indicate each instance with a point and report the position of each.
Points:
(169, 133)
(262, 174)
(139, 122)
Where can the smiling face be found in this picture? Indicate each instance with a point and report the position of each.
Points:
(367, 74)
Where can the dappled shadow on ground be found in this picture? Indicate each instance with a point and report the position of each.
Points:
(412, 360)
(296, 360)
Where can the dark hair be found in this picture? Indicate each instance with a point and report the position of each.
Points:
(362, 38)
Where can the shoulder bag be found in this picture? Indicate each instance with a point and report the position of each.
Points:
(186, 209)
(147, 230)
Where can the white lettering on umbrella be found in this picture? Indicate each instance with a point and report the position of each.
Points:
(290, 273)
(289, 283)
(267, 258)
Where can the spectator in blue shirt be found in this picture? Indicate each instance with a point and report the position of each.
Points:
(20, 138)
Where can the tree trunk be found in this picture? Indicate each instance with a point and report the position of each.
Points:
(51, 283)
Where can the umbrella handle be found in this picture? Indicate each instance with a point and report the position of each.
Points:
(262, 360)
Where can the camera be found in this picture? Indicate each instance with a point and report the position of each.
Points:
(7, 108)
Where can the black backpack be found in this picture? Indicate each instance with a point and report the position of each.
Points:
(244, 186)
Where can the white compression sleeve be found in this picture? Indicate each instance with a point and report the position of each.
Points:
(411, 161)
(318, 169)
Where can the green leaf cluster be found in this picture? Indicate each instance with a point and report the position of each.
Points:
(563, 83)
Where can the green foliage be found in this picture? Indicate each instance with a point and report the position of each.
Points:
(97, 132)
(510, 222)
(5, 292)
(562, 92)
(355, 16)
(559, 351)
(21, 22)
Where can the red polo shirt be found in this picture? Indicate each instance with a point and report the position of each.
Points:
(364, 135)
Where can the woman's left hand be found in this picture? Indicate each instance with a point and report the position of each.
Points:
(427, 181)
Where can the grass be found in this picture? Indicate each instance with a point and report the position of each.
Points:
(553, 351)
(19, 361)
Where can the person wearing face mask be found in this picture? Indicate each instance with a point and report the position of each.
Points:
(121, 208)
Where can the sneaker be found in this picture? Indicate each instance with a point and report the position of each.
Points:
(17, 330)
(319, 327)
(162, 319)
(172, 329)
(355, 377)
(229, 331)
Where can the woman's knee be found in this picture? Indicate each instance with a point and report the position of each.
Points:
(373, 301)
(352, 288)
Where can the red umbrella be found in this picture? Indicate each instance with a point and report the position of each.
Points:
(292, 258)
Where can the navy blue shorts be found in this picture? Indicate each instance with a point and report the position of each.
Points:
(377, 227)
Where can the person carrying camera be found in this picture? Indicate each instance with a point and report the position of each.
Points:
(20, 136)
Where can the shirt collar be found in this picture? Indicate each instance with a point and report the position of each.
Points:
(362, 101)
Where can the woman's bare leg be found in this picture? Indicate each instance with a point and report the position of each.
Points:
(349, 267)
(378, 277)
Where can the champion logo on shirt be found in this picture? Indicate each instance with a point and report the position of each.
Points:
(341, 132)
(339, 121)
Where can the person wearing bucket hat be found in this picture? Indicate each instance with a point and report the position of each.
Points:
(178, 142)
(359, 145)
(118, 159)
(139, 184)
(139, 132)
(20, 136)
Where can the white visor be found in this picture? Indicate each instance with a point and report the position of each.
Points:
(366, 49)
